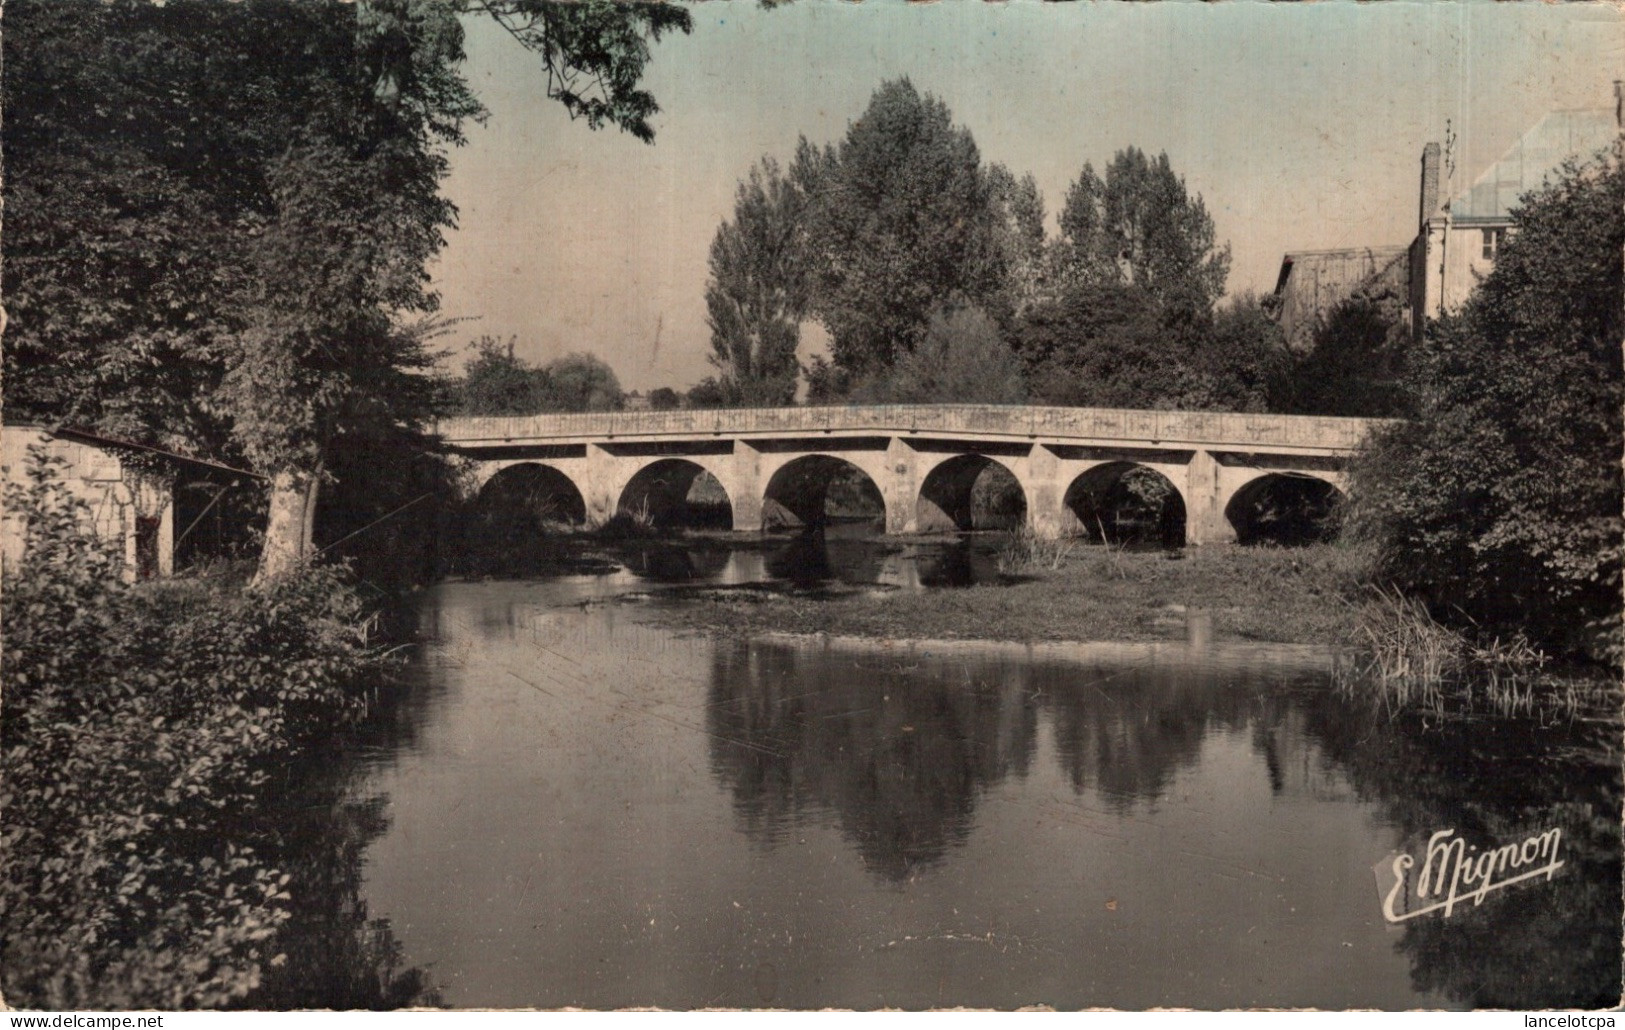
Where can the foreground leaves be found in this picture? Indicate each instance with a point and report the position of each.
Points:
(142, 729)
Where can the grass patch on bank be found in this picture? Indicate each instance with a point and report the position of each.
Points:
(1091, 592)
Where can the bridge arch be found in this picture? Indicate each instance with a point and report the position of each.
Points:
(1285, 508)
(1127, 502)
(970, 491)
(528, 495)
(814, 488)
(676, 492)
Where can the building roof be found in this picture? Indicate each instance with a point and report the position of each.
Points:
(1359, 263)
(98, 440)
(1532, 160)
(1313, 282)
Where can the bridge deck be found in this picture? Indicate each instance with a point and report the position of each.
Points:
(1159, 429)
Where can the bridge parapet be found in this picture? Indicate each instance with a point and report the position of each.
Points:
(1197, 428)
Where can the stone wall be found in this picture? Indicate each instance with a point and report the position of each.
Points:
(131, 510)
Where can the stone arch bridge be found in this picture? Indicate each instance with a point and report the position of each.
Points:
(921, 459)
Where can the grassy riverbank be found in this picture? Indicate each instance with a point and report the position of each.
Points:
(1095, 593)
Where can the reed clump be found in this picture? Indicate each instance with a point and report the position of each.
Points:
(631, 522)
(1027, 550)
(1405, 659)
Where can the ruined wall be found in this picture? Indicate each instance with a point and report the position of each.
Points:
(130, 509)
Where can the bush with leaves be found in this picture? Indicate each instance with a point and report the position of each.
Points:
(497, 382)
(141, 728)
(1356, 367)
(962, 359)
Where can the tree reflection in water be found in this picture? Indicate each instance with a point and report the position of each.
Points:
(1495, 781)
(897, 750)
(1127, 730)
(898, 758)
(819, 554)
(337, 957)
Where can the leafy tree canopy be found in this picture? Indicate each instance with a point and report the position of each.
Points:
(961, 359)
(1114, 346)
(1138, 226)
(219, 213)
(1501, 499)
(1019, 253)
(899, 221)
(496, 382)
(757, 295)
(582, 382)
(1356, 366)
(664, 398)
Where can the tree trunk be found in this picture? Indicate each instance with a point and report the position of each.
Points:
(289, 527)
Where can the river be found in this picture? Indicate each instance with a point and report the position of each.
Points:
(573, 807)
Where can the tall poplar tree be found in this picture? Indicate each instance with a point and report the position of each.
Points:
(757, 295)
(1139, 226)
(898, 224)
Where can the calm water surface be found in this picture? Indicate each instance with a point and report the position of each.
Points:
(589, 811)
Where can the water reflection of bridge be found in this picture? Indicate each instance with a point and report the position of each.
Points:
(923, 466)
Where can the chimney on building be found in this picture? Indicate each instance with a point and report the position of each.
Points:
(1619, 105)
(1430, 184)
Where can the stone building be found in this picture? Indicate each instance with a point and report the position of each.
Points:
(1458, 236)
(129, 492)
(131, 509)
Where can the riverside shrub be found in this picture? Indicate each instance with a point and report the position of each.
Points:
(141, 729)
(1499, 502)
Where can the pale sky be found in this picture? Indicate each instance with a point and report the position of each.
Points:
(1301, 125)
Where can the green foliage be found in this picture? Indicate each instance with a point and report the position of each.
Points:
(218, 212)
(1117, 346)
(901, 219)
(1019, 251)
(582, 382)
(338, 957)
(1121, 313)
(594, 52)
(1099, 346)
(1102, 346)
(1239, 358)
(758, 290)
(137, 140)
(138, 725)
(1138, 226)
(1357, 365)
(400, 507)
(1500, 501)
(709, 392)
(664, 398)
(961, 359)
(498, 383)
(898, 222)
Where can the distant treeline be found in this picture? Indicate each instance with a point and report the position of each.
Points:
(935, 280)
